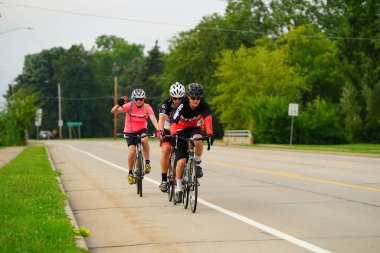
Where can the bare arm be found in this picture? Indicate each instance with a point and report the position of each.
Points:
(117, 109)
(153, 119)
(161, 121)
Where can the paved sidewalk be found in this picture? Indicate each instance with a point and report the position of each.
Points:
(8, 153)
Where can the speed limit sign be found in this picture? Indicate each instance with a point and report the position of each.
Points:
(293, 109)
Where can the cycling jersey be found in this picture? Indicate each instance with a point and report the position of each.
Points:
(167, 108)
(136, 118)
(184, 117)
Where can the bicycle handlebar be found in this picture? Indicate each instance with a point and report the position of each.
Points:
(203, 138)
(127, 135)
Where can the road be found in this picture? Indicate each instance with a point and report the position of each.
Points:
(251, 200)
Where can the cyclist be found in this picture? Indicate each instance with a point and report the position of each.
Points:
(188, 120)
(176, 92)
(136, 123)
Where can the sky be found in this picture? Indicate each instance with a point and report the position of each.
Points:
(30, 26)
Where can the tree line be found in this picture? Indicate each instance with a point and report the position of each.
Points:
(252, 61)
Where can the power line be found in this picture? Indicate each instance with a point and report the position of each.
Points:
(100, 16)
(188, 26)
(95, 98)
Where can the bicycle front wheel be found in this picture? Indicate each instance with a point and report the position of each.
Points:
(193, 188)
(187, 180)
(139, 176)
(171, 183)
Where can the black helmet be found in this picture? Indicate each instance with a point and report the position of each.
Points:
(195, 90)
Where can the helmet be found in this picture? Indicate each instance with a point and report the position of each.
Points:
(195, 89)
(177, 90)
(138, 93)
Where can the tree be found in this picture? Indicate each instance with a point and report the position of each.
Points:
(249, 74)
(18, 120)
(38, 77)
(83, 100)
(351, 110)
(316, 56)
(359, 46)
(153, 67)
(115, 57)
(319, 123)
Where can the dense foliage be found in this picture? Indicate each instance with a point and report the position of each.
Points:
(253, 61)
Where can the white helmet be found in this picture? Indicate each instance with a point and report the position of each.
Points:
(177, 90)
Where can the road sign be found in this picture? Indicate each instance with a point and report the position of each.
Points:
(38, 119)
(293, 109)
(73, 123)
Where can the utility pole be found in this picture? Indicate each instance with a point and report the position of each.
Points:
(115, 114)
(60, 122)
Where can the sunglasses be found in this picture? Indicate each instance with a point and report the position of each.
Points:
(176, 98)
(195, 98)
(138, 99)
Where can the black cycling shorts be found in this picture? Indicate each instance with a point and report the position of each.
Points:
(166, 138)
(182, 144)
(133, 140)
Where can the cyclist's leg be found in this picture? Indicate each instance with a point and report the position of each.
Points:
(145, 144)
(179, 177)
(181, 155)
(131, 141)
(197, 133)
(131, 158)
(164, 162)
(198, 150)
(165, 154)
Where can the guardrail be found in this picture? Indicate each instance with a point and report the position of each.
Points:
(238, 137)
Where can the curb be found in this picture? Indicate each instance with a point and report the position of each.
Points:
(79, 240)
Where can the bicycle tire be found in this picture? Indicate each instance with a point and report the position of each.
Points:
(170, 184)
(194, 189)
(186, 188)
(139, 176)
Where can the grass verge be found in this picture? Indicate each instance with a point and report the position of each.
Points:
(32, 216)
(373, 149)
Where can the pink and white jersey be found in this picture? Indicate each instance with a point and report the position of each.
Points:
(137, 119)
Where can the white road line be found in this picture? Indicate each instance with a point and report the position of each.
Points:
(234, 215)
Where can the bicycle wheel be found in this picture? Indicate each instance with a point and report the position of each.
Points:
(139, 176)
(193, 188)
(186, 187)
(170, 183)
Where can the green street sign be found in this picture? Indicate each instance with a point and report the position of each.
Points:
(73, 123)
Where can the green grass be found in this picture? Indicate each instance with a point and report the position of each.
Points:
(32, 216)
(345, 148)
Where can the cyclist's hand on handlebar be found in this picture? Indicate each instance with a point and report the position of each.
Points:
(121, 102)
(211, 139)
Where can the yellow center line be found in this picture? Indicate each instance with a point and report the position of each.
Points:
(295, 175)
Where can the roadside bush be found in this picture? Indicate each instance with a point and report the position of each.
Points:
(319, 123)
(271, 120)
(11, 132)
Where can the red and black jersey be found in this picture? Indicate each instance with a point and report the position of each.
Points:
(184, 117)
(167, 109)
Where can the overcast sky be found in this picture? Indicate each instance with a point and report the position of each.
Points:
(29, 26)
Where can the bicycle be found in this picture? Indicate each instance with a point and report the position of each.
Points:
(190, 179)
(139, 165)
